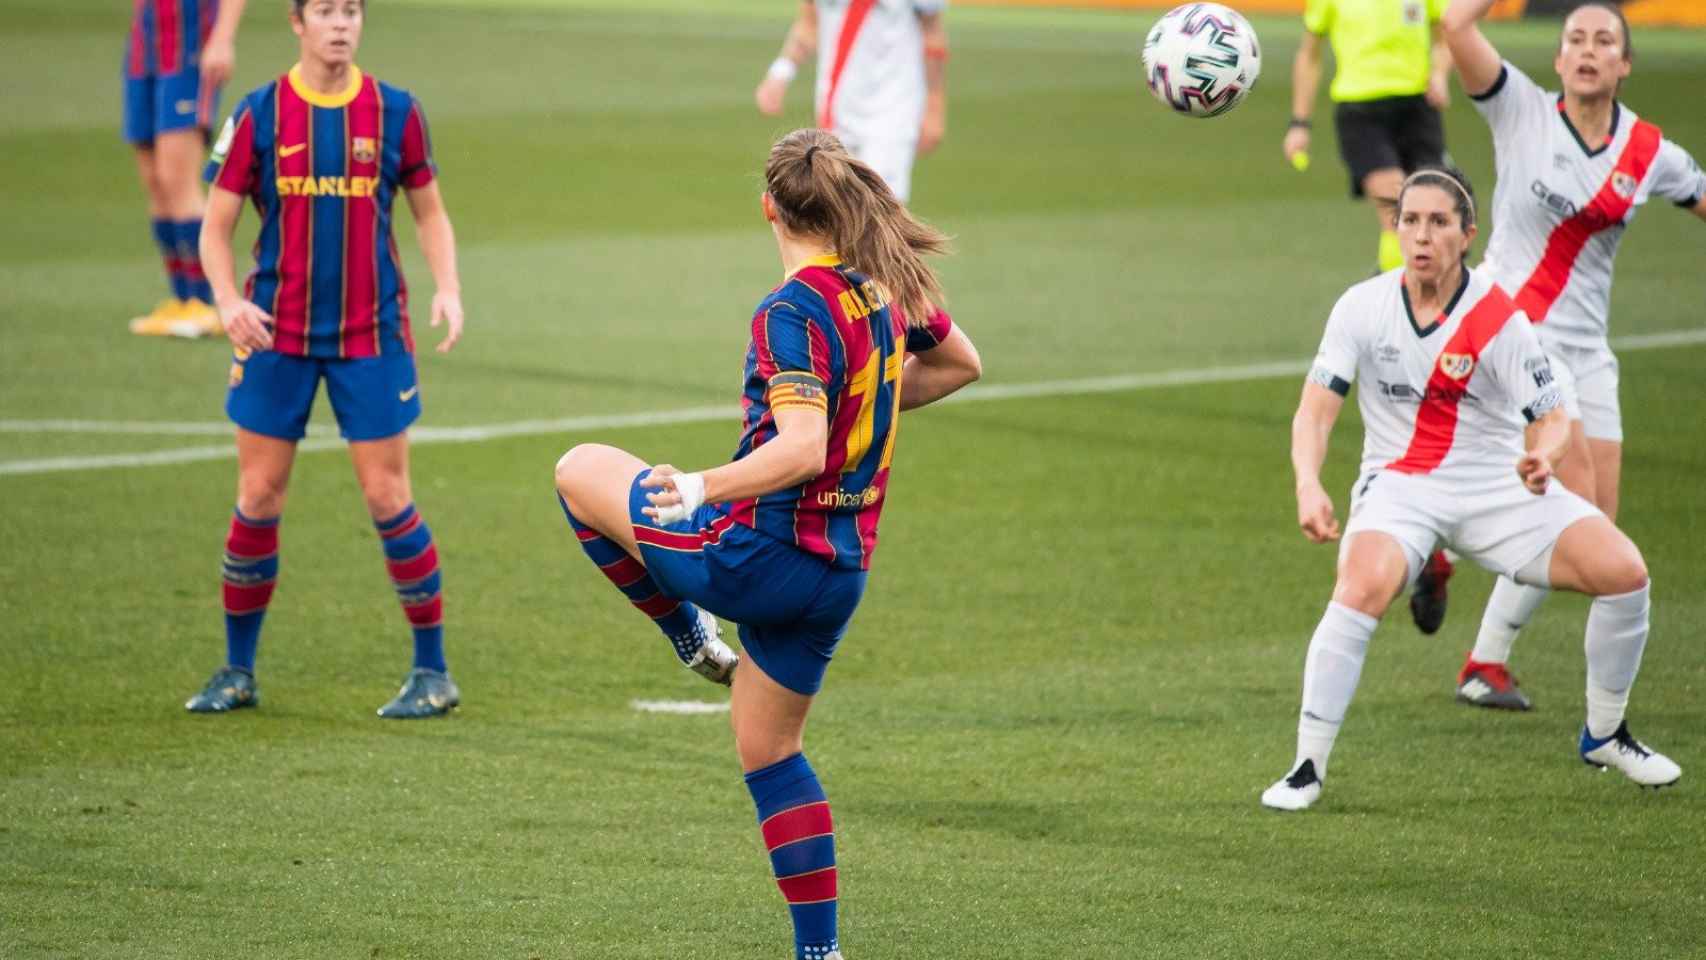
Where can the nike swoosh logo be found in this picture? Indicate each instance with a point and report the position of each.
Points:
(292, 151)
(186, 106)
(407, 395)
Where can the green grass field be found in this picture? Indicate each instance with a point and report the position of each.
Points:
(1077, 665)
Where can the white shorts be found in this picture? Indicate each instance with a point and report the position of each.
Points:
(890, 156)
(1587, 377)
(1494, 521)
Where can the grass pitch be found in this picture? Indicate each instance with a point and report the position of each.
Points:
(1077, 665)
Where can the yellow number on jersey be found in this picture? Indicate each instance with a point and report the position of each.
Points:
(864, 386)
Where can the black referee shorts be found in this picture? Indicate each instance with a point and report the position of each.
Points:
(1402, 132)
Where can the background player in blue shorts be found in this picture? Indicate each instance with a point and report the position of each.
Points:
(180, 52)
(780, 540)
(322, 153)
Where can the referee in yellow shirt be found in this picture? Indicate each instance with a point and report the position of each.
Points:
(1389, 85)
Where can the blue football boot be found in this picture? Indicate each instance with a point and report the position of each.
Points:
(229, 689)
(426, 693)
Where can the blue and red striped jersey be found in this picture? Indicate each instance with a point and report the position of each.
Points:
(323, 171)
(828, 339)
(166, 36)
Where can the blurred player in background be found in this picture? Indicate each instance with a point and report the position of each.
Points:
(881, 78)
(1451, 372)
(1389, 86)
(1573, 169)
(779, 541)
(179, 54)
(322, 153)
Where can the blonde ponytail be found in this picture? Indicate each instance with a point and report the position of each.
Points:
(819, 188)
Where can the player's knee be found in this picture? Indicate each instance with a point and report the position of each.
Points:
(570, 467)
(1363, 593)
(1627, 572)
(261, 500)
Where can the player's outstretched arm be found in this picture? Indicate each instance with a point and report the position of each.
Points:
(219, 54)
(438, 245)
(1305, 81)
(248, 326)
(796, 454)
(1547, 440)
(1477, 62)
(799, 47)
(1317, 411)
(1439, 72)
(939, 371)
(1699, 209)
(935, 124)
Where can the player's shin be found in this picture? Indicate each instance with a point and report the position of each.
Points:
(249, 571)
(166, 238)
(195, 285)
(1330, 674)
(1509, 609)
(794, 818)
(412, 559)
(678, 619)
(1616, 638)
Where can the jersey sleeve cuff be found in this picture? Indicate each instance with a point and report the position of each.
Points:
(1493, 91)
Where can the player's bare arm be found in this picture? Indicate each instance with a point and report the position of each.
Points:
(935, 124)
(438, 245)
(219, 56)
(1439, 72)
(1547, 440)
(1478, 63)
(799, 47)
(247, 325)
(1317, 411)
(1699, 209)
(795, 455)
(933, 374)
(1305, 82)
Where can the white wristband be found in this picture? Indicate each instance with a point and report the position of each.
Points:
(782, 69)
(691, 488)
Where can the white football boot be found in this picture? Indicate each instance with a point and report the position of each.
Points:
(714, 660)
(1638, 761)
(1298, 791)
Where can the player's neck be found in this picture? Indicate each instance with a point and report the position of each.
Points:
(322, 77)
(1427, 297)
(1591, 118)
(799, 251)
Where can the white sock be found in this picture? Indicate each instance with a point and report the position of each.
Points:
(1330, 674)
(1509, 609)
(1451, 555)
(1617, 634)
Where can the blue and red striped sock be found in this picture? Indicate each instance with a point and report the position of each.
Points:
(166, 238)
(678, 619)
(413, 561)
(188, 234)
(793, 815)
(250, 572)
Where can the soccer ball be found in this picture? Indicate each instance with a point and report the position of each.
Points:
(1201, 59)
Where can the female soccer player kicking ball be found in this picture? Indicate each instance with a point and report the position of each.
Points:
(779, 541)
(322, 152)
(1450, 372)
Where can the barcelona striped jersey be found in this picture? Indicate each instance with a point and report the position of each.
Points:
(323, 171)
(828, 339)
(166, 36)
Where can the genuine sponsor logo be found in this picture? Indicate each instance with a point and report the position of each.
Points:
(327, 186)
(843, 500)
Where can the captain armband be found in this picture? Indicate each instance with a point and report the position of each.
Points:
(794, 389)
(1322, 377)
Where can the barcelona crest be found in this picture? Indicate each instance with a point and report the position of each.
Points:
(363, 149)
(1457, 366)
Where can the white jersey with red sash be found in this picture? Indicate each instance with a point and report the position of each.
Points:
(870, 66)
(1446, 396)
(1560, 205)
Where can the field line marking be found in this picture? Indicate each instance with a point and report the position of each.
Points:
(324, 440)
(688, 707)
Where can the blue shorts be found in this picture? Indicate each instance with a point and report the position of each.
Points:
(792, 607)
(372, 397)
(176, 101)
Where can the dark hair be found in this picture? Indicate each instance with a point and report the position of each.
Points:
(297, 5)
(1449, 179)
(1616, 11)
(819, 188)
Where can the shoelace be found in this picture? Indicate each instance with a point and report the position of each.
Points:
(1628, 744)
(1302, 777)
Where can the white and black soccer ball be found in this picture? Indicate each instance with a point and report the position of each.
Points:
(1201, 59)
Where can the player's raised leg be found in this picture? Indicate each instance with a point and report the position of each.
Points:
(1372, 571)
(594, 487)
(249, 569)
(1593, 557)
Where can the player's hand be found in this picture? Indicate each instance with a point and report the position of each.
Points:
(769, 95)
(935, 125)
(218, 61)
(1536, 472)
(1296, 142)
(1439, 92)
(247, 326)
(675, 495)
(1315, 514)
(447, 309)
